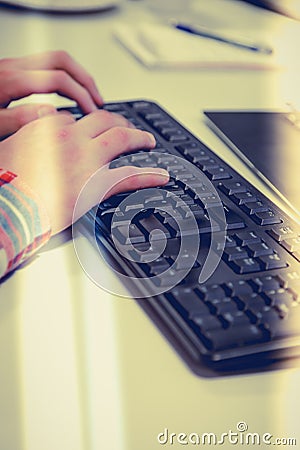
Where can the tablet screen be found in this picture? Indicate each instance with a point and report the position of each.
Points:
(269, 142)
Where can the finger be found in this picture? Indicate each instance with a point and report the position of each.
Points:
(100, 121)
(12, 119)
(131, 178)
(120, 140)
(53, 126)
(60, 60)
(107, 182)
(17, 84)
(64, 61)
(60, 119)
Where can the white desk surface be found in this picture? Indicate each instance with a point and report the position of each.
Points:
(84, 370)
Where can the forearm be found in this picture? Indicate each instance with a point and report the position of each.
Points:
(24, 225)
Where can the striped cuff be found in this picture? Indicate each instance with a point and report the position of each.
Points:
(24, 224)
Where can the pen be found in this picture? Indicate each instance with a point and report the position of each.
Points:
(204, 32)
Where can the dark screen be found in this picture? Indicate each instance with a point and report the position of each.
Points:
(270, 141)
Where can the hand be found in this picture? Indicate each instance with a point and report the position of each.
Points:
(55, 156)
(43, 73)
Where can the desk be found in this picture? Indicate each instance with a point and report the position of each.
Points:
(80, 368)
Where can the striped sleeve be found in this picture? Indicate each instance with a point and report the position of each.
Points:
(24, 224)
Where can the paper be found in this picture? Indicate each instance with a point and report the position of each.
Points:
(161, 46)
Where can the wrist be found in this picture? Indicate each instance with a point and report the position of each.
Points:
(24, 223)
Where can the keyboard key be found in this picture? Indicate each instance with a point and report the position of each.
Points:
(189, 302)
(207, 322)
(292, 244)
(268, 217)
(169, 217)
(272, 261)
(185, 261)
(290, 280)
(191, 146)
(141, 254)
(197, 211)
(233, 220)
(269, 319)
(223, 306)
(233, 253)
(183, 200)
(254, 306)
(211, 292)
(152, 116)
(234, 336)
(197, 156)
(235, 318)
(259, 249)
(294, 288)
(186, 228)
(209, 163)
(174, 135)
(237, 288)
(232, 187)
(120, 163)
(158, 266)
(105, 217)
(153, 200)
(128, 234)
(245, 265)
(116, 108)
(230, 241)
(217, 173)
(240, 198)
(282, 232)
(176, 189)
(162, 125)
(153, 229)
(265, 283)
(169, 279)
(254, 207)
(264, 318)
(247, 237)
(278, 297)
(209, 201)
(282, 327)
(173, 168)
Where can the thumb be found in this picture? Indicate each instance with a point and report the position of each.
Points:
(12, 119)
(106, 182)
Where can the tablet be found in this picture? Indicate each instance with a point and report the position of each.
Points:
(269, 142)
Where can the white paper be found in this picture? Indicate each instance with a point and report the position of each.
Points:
(162, 46)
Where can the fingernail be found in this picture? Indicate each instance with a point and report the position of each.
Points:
(163, 173)
(88, 110)
(151, 138)
(46, 110)
(100, 100)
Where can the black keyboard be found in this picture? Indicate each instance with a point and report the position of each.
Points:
(208, 256)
